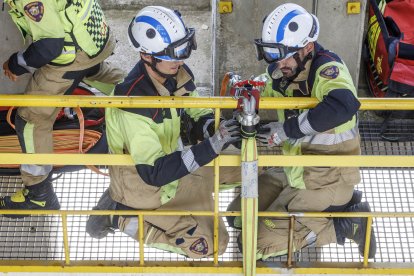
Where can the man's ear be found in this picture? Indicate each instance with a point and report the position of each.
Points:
(309, 48)
(146, 57)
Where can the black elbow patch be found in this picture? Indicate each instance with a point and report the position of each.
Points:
(203, 152)
(338, 107)
(146, 172)
(43, 51)
(165, 170)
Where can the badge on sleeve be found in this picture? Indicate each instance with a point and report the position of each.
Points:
(34, 10)
(330, 72)
(199, 247)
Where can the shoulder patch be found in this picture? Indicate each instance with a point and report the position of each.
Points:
(199, 247)
(34, 10)
(330, 72)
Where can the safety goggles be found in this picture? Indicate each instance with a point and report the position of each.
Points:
(273, 52)
(181, 49)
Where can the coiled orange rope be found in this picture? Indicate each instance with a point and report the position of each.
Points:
(64, 141)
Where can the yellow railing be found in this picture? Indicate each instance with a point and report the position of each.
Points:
(225, 160)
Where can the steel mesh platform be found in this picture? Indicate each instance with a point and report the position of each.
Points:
(386, 189)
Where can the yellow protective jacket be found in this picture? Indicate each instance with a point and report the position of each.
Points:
(330, 128)
(58, 28)
(152, 137)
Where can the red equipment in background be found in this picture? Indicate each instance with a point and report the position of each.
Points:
(390, 48)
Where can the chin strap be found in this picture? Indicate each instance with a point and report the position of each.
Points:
(301, 63)
(153, 66)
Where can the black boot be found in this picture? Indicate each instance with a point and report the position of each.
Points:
(355, 229)
(99, 227)
(40, 196)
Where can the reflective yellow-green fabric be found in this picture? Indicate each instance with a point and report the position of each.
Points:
(321, 87)
(82, 20)
(196, 113)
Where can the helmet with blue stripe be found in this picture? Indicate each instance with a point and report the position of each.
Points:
(161, 32)
(286, 30)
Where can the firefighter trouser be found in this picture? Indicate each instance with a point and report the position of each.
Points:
(34, 124)
(275, 194)
(187, 235)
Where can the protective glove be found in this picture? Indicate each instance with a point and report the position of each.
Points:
(271, 134)
(227, 133)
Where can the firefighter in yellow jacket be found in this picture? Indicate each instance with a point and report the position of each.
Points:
(70, 41)
(301, 67)
(166, 175)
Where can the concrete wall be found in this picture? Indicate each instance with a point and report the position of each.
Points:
(182, 5)
(195, 14)
(200, 61)
(10, 41)
(340, 33)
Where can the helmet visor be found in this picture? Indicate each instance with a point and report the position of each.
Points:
(273, 52)
(180, 49)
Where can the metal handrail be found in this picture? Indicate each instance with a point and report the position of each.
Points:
(230, 160)
(190, 102)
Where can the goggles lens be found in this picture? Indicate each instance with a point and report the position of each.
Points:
(273, 52)
(180, 49)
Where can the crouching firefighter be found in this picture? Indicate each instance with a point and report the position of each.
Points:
(166, 176)
(300, 67)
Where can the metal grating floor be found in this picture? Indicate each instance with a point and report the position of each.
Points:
(387, 190)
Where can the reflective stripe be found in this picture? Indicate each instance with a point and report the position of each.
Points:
(180, 145)
(189, 160)
(22, 62)
(130, 227)
(67, 56)
(72, 52)
(304, 124)
(149, 232)
(28, 137)
(36, 170)
(87, 10)
(310, 239)
(205, 127)
(329, 138)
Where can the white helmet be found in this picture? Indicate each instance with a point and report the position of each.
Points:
(160, 32)
(286, 30)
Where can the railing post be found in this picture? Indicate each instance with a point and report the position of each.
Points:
(65, 238)
(141, 238)
(216, 195)
(367, 241)
(290, 240)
